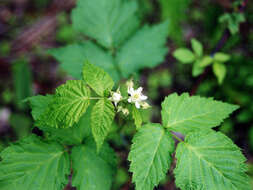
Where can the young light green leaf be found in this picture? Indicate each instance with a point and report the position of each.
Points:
(93, 171)
(185, 114)
(72, 58)
(197, 47)
(210, 160)
(137, 117)
(150, 156)
(39, 104)
(102, 116)
(197, 69)
(68, 105)
(221, 57)
(206, 61)
(145, 49)
(109, 22)
(31, 159)
(97, 79)
(184, 55)
(219, 69)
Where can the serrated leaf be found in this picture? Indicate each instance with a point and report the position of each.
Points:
(39, 104)
(184, 55)
(185, 114)
(210, 160)
(221, 57)
(109, 22)
(71, 136)
(97, 79)
(144, 49)
(34, 164)
(197, 47)
(72, 58)
(137, 117)
(93, 171)
(102, 116)
(150, 156)
(68, 105)
(219, 69)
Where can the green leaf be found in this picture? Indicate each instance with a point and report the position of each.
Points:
(197, 47)
(185, 114)
(93, 171)
(219, 69)
(97, 79)
(184, 55)
(210, 160)
(206, 61)
(68, 105)
(144, 49)
(34, 164)
(221, 57)
(137, 117)
(71, 136)
(102, 116)
(150, 156)
(72, 58)
(197, 69)
(109, 22)
(39, 104)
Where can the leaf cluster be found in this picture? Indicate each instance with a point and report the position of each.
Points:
(201, 61)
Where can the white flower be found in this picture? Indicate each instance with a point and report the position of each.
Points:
(130, 84)
(136, 96)
(116, 97)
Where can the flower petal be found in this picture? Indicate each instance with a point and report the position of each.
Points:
(143, 97)
(139, 90)
(137, 105)
(129, 100)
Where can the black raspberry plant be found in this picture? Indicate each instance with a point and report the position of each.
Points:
(78, 117)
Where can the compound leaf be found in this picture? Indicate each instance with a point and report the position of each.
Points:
(69, 103)
(34, 164)
(72, 58)
(102, 116)
(210, 160)
(145, 49)
(150, 156)
(185, 114)
(97, 79)
(92, 170)
(109, 22)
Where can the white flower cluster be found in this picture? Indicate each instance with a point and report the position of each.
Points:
(135, 96)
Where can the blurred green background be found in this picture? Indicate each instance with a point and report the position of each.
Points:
(28, 28)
